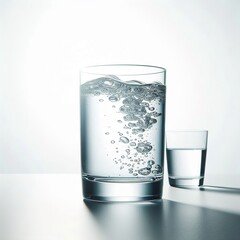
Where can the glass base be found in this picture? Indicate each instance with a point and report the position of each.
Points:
(122, 189)
(186, 182)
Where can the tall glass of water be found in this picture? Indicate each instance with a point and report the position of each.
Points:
(122, 110)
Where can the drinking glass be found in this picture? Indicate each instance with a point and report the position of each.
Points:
(186, 157)
(122, 108)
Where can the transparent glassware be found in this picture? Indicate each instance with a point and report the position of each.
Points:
(122, 109)
(186, 157)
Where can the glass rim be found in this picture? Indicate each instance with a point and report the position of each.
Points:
(87, 69)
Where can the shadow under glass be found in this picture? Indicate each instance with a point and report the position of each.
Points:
(163, 219)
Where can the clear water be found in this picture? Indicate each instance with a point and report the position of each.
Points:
(186, 163)
(122, 130)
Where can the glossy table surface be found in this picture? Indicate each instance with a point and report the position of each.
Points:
(50, 206)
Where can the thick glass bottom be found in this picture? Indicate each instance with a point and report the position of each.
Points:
(186, 182)
(122, 189)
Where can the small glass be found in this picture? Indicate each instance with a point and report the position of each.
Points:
(186, 157)
(122, 110)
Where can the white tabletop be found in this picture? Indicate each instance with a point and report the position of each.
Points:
(50, 206)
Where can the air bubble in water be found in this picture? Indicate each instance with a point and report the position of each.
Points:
(132, 144)
(101, 100)
(112, 141)
(158, 167)
(138, 130)
(107, 133)
(143, 147)
(124, 140)
(156, 114)
(133, 109)
(128, 151)
(151, 162)
(114, 98)
(131, 101)
(152, 121)
(144, 171)
(132, 125)
(108, 83)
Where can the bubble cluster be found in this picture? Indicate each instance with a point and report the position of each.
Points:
(131, 93)
(136, 103)
(147, 170)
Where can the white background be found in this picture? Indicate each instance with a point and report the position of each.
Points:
(44, 43)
